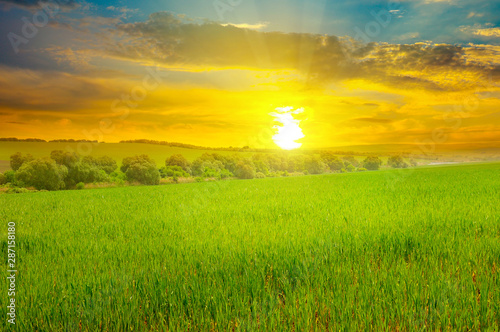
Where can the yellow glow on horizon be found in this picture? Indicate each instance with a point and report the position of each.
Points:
(290, 131)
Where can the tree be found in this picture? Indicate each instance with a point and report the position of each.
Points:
(67, 159)
(86, 173)
(42, 173)
(333, 162)
(372, 163)
(350, 160)
(10, 176)
(397, 162)
(105, 163)
(171, 171)
(141, 169)
(128, 161)
(178, 160)
(245, 170)
(17, 160)
(315, 165)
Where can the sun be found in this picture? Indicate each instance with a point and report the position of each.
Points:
(289, 132)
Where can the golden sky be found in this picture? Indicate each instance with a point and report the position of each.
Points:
(171, 77)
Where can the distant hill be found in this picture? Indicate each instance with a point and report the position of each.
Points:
(490, 147)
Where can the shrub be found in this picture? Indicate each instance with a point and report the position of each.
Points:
(86, 173)
(224, 174)
(178, 160)
(245, 170)
(17, 191)
(3, 179)
(105, 163)
(315, 165)
(260, 175)
(350, 168)
(42, 174)
(350, 160)
(372, 163)
(331, 160)
(397, 162)
(362, 169)
(10, 176)
(17, 160)
(68, 159)
(145, 173)
(169, 171)
(80, 185)
(141, 169)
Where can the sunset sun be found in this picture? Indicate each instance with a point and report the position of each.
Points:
(289, 132)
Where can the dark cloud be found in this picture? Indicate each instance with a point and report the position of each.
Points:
(176, 41)
(375, 120)
(36, 3)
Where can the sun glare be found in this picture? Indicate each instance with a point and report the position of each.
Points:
(289, 132)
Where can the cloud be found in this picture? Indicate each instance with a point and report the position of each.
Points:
(32, 4)
(408, 35)
(257, 26)
(473, 14)
(125, 12)
(479, 30)
(176, 42)
(375, 120)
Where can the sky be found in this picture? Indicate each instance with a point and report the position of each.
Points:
(213, 73)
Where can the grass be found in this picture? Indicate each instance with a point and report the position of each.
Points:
(414, 249)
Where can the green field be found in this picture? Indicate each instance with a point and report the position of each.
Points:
(414, 249)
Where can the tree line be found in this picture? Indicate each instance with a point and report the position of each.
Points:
(68, 170)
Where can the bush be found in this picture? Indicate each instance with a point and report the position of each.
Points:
(178, 160)
(169, 171)
(362, 169)
(224, 174)
(315, 165)
(10, 177)
(331, 160)
(3, 179)
(260, 175)
(141, 169)
(350, 160)
(105, 163)
(144, 173)
(350, 168)
(198, 179)
(17, 191)
(68, 159)
(245, 170)
(372, 163)
(17, 160)
(80, 185)
(86, 173)
(42, 174)
(397, 162)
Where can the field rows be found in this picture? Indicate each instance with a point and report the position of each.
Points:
(411, 249)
